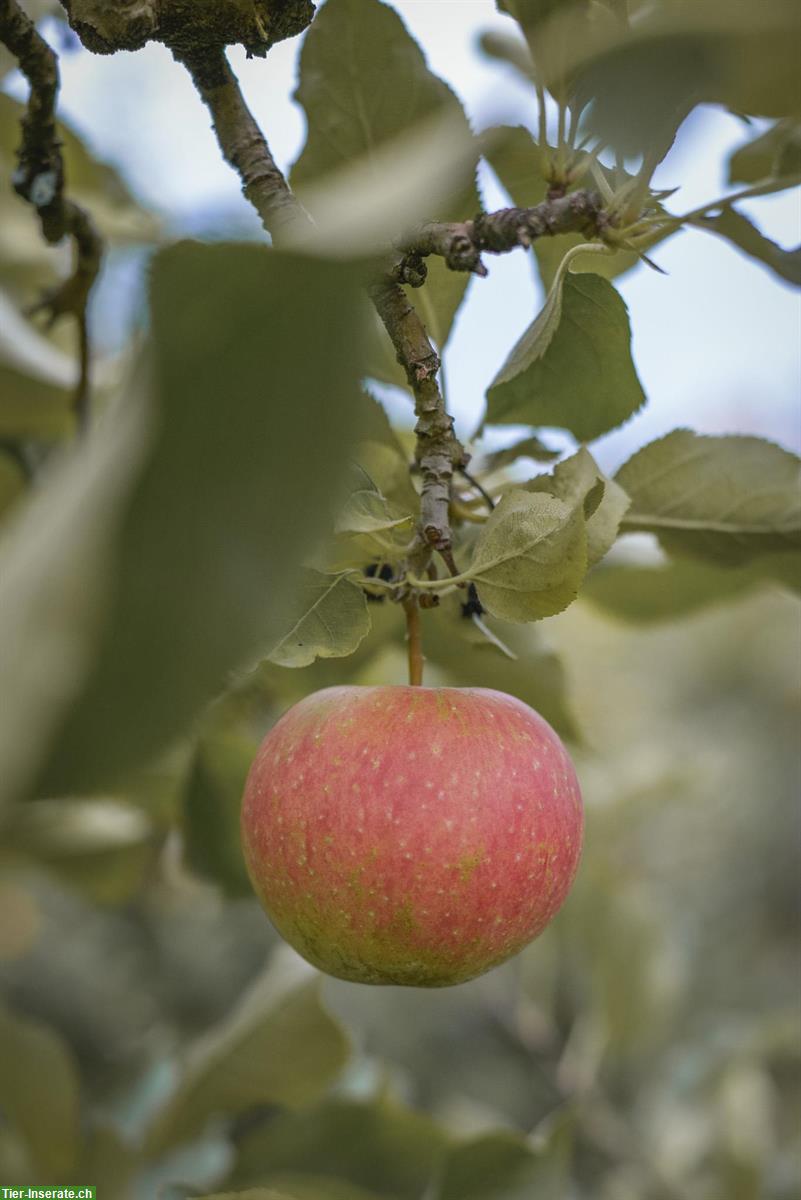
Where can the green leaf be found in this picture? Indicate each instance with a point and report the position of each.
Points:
(301, 1187)
(256, 1194)
(515, 157)
(54, 568)
(572, 368)
(742, 233)
(498, 1166)
(13, 478)
(102, 849)
(94, 184)
(250, 425)
(327, 618)
(775, 154)
(535, 675)
(39, 1094)
(380, 1147)
(729, 499)
(369, 512)
(647, 595)
(36, 380)
(530, 557)
(527, 447)
(579, 480)
(285, 1052)
(211, 803)
(363, 82)
(678, 55)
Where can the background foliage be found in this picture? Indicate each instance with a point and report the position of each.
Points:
(213, 552)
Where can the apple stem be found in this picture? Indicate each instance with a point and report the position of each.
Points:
(414, 641)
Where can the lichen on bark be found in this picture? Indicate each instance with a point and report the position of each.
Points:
(189, 26)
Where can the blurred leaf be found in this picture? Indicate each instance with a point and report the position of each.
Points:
(249, 424)
(572, 368)
(253, 1194)
(736, 228)
(364, 82)
(667, 593)
(94, 184)
(579, 480)
(301, 1187)
(285, 1052)
(211, 803)
(35, 380)
(385, 1149)
(775, 154)
(530, 557)
(13, 478)
(729, 499)
(528, 447)
(509, 50)
(499, 1166)
(328, 618)
(103, 849)
(53, 588)
(109, 1161)
(681, 54)
(514, 156)
(535, 675)
(39, 1094)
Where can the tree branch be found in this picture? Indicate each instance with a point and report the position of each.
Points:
(243, 144)
(439, 452)
(39, 179)
(461, 243)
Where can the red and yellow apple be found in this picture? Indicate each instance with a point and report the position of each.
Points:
(411, 835)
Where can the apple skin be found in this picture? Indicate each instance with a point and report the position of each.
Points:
(411, 835)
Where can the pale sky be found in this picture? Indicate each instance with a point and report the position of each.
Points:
(717, 342)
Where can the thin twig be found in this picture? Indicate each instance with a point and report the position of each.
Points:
(39, 179)
(482, 491)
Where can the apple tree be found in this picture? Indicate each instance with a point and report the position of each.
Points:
(222, 519)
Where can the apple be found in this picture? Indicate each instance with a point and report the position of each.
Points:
(411, 835)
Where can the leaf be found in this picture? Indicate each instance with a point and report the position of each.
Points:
(302, 1187)
(528, 447)
(378, 1146)
(678, 55)
(35, 380)
(498, 1166)
(514, 156)
(250, 424)
(13, 478)
(728, 499)
(647, 595)
(254, 1194)
(327, 619)
(572, 368)
(211, 803)
(530, 557)
(775, 154)
(742, 233)
(535, 675)
(39, 1093)
(576, 481)
(285, 1052)
(94, 184)
(363, 82)
(102, 849)
(54, 569)
(369, 512)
